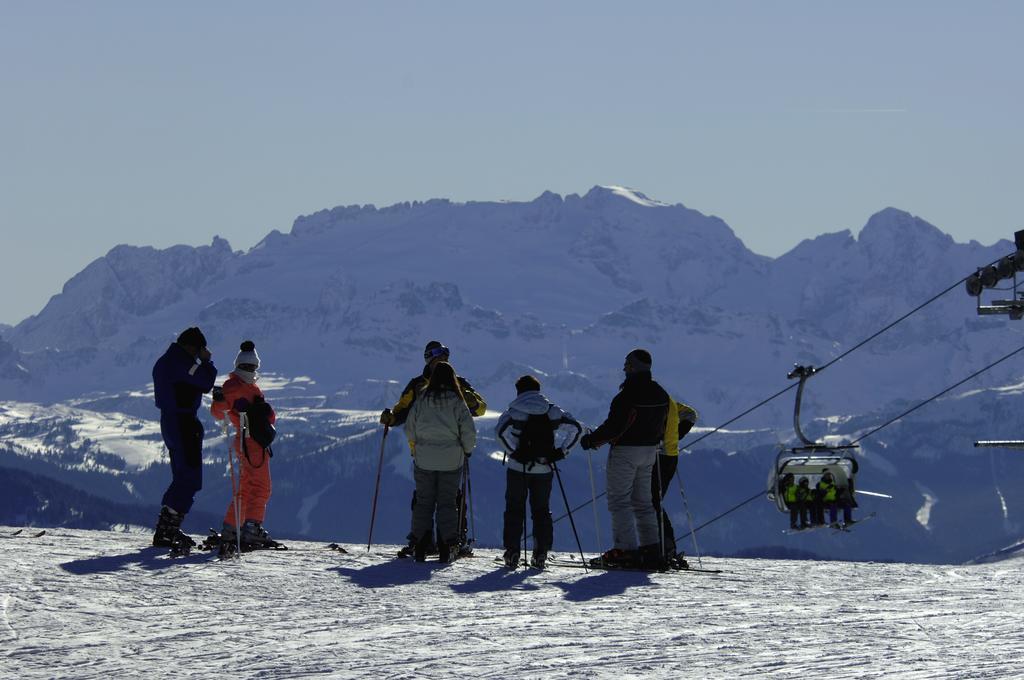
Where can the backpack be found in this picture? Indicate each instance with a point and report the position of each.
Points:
(536, 439)
(260, 427)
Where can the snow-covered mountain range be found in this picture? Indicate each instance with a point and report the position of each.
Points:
(341, 306)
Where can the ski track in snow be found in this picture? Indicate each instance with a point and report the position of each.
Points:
(100, 604)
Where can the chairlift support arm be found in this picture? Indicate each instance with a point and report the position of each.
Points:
(989, 276)
(1000, 444)
(803, 373)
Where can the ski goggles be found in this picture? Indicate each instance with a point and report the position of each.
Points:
(436, 352)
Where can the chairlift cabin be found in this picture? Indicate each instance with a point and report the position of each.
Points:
(811, 460)
(791, 467)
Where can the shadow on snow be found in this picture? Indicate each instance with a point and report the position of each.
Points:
(391, 573)
(147, 558)
(499, 579)
(601, 583)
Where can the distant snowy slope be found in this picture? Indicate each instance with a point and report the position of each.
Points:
(99, 605)
(950, 501)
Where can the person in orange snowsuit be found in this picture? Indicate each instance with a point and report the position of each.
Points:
(241, 396)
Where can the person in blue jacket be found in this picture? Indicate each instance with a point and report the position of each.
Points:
(180, 379)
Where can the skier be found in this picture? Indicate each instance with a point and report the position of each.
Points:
(527, 432)
(681, 419)
(433, 353)
(635, 427)
(241, 396)
(826, 497)
(797, 497)
(441, 435)
(844, 500)
(180, 378)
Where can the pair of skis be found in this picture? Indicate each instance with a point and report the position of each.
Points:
(836, 526)
(23, 535)
(573, 563)
(459, 554)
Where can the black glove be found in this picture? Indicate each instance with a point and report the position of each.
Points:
(218, 394)
(387, 417)
(587, 442)
(468, 454)
(240, 405)
(557, 455)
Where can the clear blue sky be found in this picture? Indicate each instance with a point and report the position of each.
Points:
(163, 123)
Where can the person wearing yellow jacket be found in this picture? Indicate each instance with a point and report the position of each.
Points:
(797, 497)
(681, 418)
(828, 493)
(433, 354)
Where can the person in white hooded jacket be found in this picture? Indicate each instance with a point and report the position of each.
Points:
(528, 430)
(441, 437)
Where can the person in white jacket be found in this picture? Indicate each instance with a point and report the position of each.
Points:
(527, 430)
(441, 436)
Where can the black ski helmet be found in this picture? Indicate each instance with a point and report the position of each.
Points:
(435, 349)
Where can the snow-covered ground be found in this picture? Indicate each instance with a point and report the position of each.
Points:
(101, 604)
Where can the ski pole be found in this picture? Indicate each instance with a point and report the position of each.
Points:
(526, 488)
(469, 495)
(462, 508)
(661, 506)
(572, 522)
(236, 489)
(593, 501)
(689, 517)
(376, 490)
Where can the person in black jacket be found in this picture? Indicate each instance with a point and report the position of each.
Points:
(635, 428)
(181, 377)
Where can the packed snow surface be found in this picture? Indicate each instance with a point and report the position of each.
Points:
(101, 605)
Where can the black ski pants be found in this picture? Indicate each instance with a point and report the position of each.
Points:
(538, 486)
(666, 465)
(460, 507)
(797, 509)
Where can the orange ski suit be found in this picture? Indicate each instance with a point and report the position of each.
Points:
(254, 484)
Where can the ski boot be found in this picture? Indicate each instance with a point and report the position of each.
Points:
(676, 561)
(226, 541)
(421, 548)
(652, 558)
(168, 533)
(614, 558)
(511, 558)
(255, 537)
(168, 526)
(539, 559)
(182, 544)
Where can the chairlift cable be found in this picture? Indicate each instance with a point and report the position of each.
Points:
(718, 517)
(905, 316)
(936, 396)
(838, 358)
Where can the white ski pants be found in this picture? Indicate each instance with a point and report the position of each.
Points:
(629, 496)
